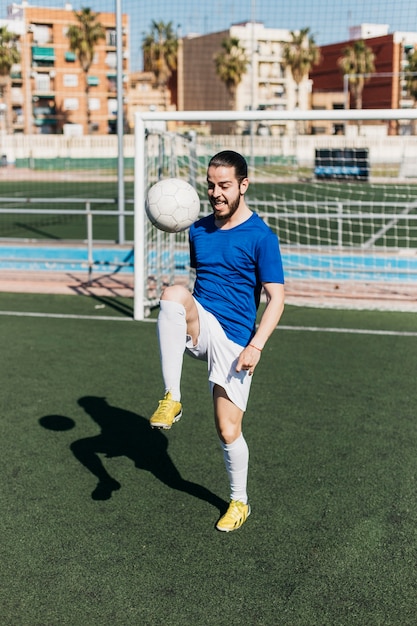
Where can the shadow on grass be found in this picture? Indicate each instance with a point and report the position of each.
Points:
(124, 433)
(112, 284)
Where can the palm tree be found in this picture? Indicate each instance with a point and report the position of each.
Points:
(300, 54)
(357, 62)
(411, 80)
(9, 55)
(160, 49)
(83, 38)
(231, 65)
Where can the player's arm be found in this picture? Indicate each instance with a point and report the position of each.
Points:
(249, 357)
(272, 314)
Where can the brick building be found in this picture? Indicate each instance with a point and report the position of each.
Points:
(385, 89)
(266, 85)
(48, 86)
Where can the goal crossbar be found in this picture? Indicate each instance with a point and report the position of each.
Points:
(280, 116)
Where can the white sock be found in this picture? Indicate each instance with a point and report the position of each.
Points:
(236, 459)
(172, 329)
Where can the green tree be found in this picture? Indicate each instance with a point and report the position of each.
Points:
(300, 54)
(411, 80)
(9, 56)
(357, 62)
(231, 64)
(83, 38)
(160, 50)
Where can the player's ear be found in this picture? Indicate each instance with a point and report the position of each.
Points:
(244, 184)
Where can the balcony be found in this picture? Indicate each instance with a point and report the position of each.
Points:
(43, 57)
(70, 56)
(93, 81)
(44, 107)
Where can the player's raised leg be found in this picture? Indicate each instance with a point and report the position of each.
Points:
(178, 317)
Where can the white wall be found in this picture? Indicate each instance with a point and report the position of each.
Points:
(383, 149)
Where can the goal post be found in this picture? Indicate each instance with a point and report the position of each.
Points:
(340, 233)
(140, 190)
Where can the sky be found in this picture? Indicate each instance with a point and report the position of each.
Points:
(328, 20)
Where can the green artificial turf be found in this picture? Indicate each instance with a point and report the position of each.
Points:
(331, 427)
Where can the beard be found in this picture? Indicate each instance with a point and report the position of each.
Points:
(232, 205)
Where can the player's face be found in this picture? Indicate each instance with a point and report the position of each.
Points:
(224, 191)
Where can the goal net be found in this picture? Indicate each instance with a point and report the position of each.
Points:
(344, 207)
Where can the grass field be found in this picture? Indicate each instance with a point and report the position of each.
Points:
(331, 427)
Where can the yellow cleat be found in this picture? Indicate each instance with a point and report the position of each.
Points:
(168, 412)
(235, 516)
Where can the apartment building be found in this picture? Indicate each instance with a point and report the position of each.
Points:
(48, 87)
(266, 85)
(384, 89)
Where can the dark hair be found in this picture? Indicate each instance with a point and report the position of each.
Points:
(229, 158)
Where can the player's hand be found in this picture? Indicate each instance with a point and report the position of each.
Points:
(248, 359)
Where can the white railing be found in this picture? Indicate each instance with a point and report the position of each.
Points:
(88, 212)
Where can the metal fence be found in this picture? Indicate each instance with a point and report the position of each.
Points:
(85, 253)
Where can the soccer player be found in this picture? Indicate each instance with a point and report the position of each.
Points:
(235, 255)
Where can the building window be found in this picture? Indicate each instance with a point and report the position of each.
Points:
(70, 56)
(43, 57)
(279, 91)
(42, 33)
(71, 104)
(111, 37)
(70, 80)
(111, 60)
(43, 106)
(16, 72)
(112, 106)
(94, 104)
(276, 48)
(42, 82)
(264, 70)
(17, 95)
(18, 117)
(93, 81)
(111, 83)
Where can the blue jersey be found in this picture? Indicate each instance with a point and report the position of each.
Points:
(231, 265)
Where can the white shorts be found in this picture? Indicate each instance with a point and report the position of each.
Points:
(221, 355)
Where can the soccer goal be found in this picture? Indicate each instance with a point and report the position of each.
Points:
(344, 206)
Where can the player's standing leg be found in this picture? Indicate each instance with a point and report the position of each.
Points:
(228, 418)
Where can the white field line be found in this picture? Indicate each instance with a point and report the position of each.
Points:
(310, 329)
(67, 316)
(353, 331)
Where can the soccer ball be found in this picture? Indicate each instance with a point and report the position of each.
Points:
(172, 205)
